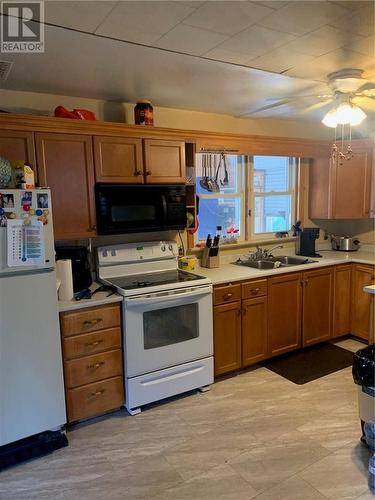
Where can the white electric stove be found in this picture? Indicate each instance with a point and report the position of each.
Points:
(167, 321)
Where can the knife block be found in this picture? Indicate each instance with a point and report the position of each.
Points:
(210, 261)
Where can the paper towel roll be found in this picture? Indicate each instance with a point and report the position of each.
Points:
(64, 274)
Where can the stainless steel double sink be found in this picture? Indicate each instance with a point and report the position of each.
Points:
(275, 262)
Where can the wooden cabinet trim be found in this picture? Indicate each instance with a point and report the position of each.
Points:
(227, 293)
(91, 343)
(90, 319)
(153, 173)
(254, 334)
(255, 288)
(232, 336)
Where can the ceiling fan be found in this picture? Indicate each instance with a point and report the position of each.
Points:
(346, 86)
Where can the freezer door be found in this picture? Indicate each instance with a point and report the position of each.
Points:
(31, 374)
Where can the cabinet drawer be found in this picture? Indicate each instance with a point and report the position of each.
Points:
(88, 320)
(229, 293)
(95, 398)
(92, 368)
(92, 343)
(254, 289)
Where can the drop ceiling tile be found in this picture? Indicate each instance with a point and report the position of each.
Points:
(272, 4)
(319, 42)
(229, 56)
(364, 45)
(360, 22)
(190, 40)
(256, 41)
(143, 21)
(227, 17)
(303, 16)
(84, 15)
(280, 60)
(193, 3)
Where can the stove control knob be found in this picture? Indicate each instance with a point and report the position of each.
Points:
(113, 253)
(170, 247)
(105, 253)
(162, 248)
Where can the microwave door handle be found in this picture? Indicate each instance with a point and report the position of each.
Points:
(163, 297)
(164, 207)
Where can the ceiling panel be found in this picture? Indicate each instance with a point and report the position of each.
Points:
(229, 56)
(280, 60)
(360, 21)
(302, 17)
(227, 17)
(365, 45)
(190, 40)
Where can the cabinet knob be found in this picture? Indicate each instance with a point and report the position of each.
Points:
(92, 321)
(94, 344)
(255, 290)
(91, 228)
(148, 172)
(227, 296)
(97, 393)
(138, 173)
(96, 365)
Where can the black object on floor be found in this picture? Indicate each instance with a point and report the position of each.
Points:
(311, 363)
(31, 447)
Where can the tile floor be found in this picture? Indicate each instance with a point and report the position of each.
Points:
(255, 435)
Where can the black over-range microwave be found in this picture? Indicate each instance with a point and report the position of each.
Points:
(126, 208)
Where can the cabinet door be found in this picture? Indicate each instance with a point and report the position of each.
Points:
(317, 306)
(227, 337)
(65, 164)
(17, 145)
(164, 161)
(254, 330)
(284, 313)
(118, 159)
(351, 187)
(342, 300)
(361, 302)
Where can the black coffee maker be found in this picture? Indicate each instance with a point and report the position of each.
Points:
(81, 270)
(305, 242)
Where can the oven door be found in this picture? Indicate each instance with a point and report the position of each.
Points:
(164, 329)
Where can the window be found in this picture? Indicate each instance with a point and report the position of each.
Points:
(221, 203)
(272, 194)
(262, 187)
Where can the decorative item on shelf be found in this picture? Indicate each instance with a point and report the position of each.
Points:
(76, 114)
(22, 175)
(144, 113)
(282, 234)
(5, 172)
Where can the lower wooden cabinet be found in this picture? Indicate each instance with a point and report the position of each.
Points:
(254, 330)
(227, 337)
(342, 300)
(93, 362)
(284, 313)
(363, 275)
(317, 306)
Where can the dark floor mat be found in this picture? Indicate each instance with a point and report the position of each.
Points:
(311, 363)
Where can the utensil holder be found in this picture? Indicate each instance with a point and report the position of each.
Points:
(210, 258)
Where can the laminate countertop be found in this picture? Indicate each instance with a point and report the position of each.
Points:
(99, 299)
(229, 273)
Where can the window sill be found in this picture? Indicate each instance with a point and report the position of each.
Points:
(247, 244)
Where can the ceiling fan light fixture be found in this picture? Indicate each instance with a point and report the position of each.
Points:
(344, 113)
(330, 119)
(358, 115)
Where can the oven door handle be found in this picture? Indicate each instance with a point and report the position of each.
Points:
(168, 295)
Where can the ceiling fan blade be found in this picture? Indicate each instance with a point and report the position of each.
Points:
(316, 106)
(264, 108)
(367, 87)
(367, 103)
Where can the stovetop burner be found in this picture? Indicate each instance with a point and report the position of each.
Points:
(153, 279)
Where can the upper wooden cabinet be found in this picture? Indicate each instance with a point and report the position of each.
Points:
(118, 159)
(65, 164)
(17, 145)
(284, 313)
(317, 306)
(341, 189)
(363, 275)
(164, 161)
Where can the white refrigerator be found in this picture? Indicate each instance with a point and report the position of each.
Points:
(31, 375)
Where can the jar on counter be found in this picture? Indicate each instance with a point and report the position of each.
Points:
(143, 113)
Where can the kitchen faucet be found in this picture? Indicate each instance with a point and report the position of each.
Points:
(263, 253)
(268, 252)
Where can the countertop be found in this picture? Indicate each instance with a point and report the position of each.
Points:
(99, 299)
(228, 272)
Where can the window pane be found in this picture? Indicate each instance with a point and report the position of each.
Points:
(271, 174)
(272, 213)
(223, 212)
(207, 166)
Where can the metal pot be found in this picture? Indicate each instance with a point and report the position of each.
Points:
(344, 243)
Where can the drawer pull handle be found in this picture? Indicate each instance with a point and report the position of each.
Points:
(96, 365)
(94, 344)
(255, 290)
(227, 295)
(97, 393)
(92, 321)
(148, 172)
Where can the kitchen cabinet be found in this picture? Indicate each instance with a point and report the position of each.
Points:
(17, 145)
(92, 358)
(284, 313)
(118, 159)
(363, 275)
(254, 330)
(317, 306)
(341, 189)
(65, 164)
(164, 161)
(227, 337)
(342, 300)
